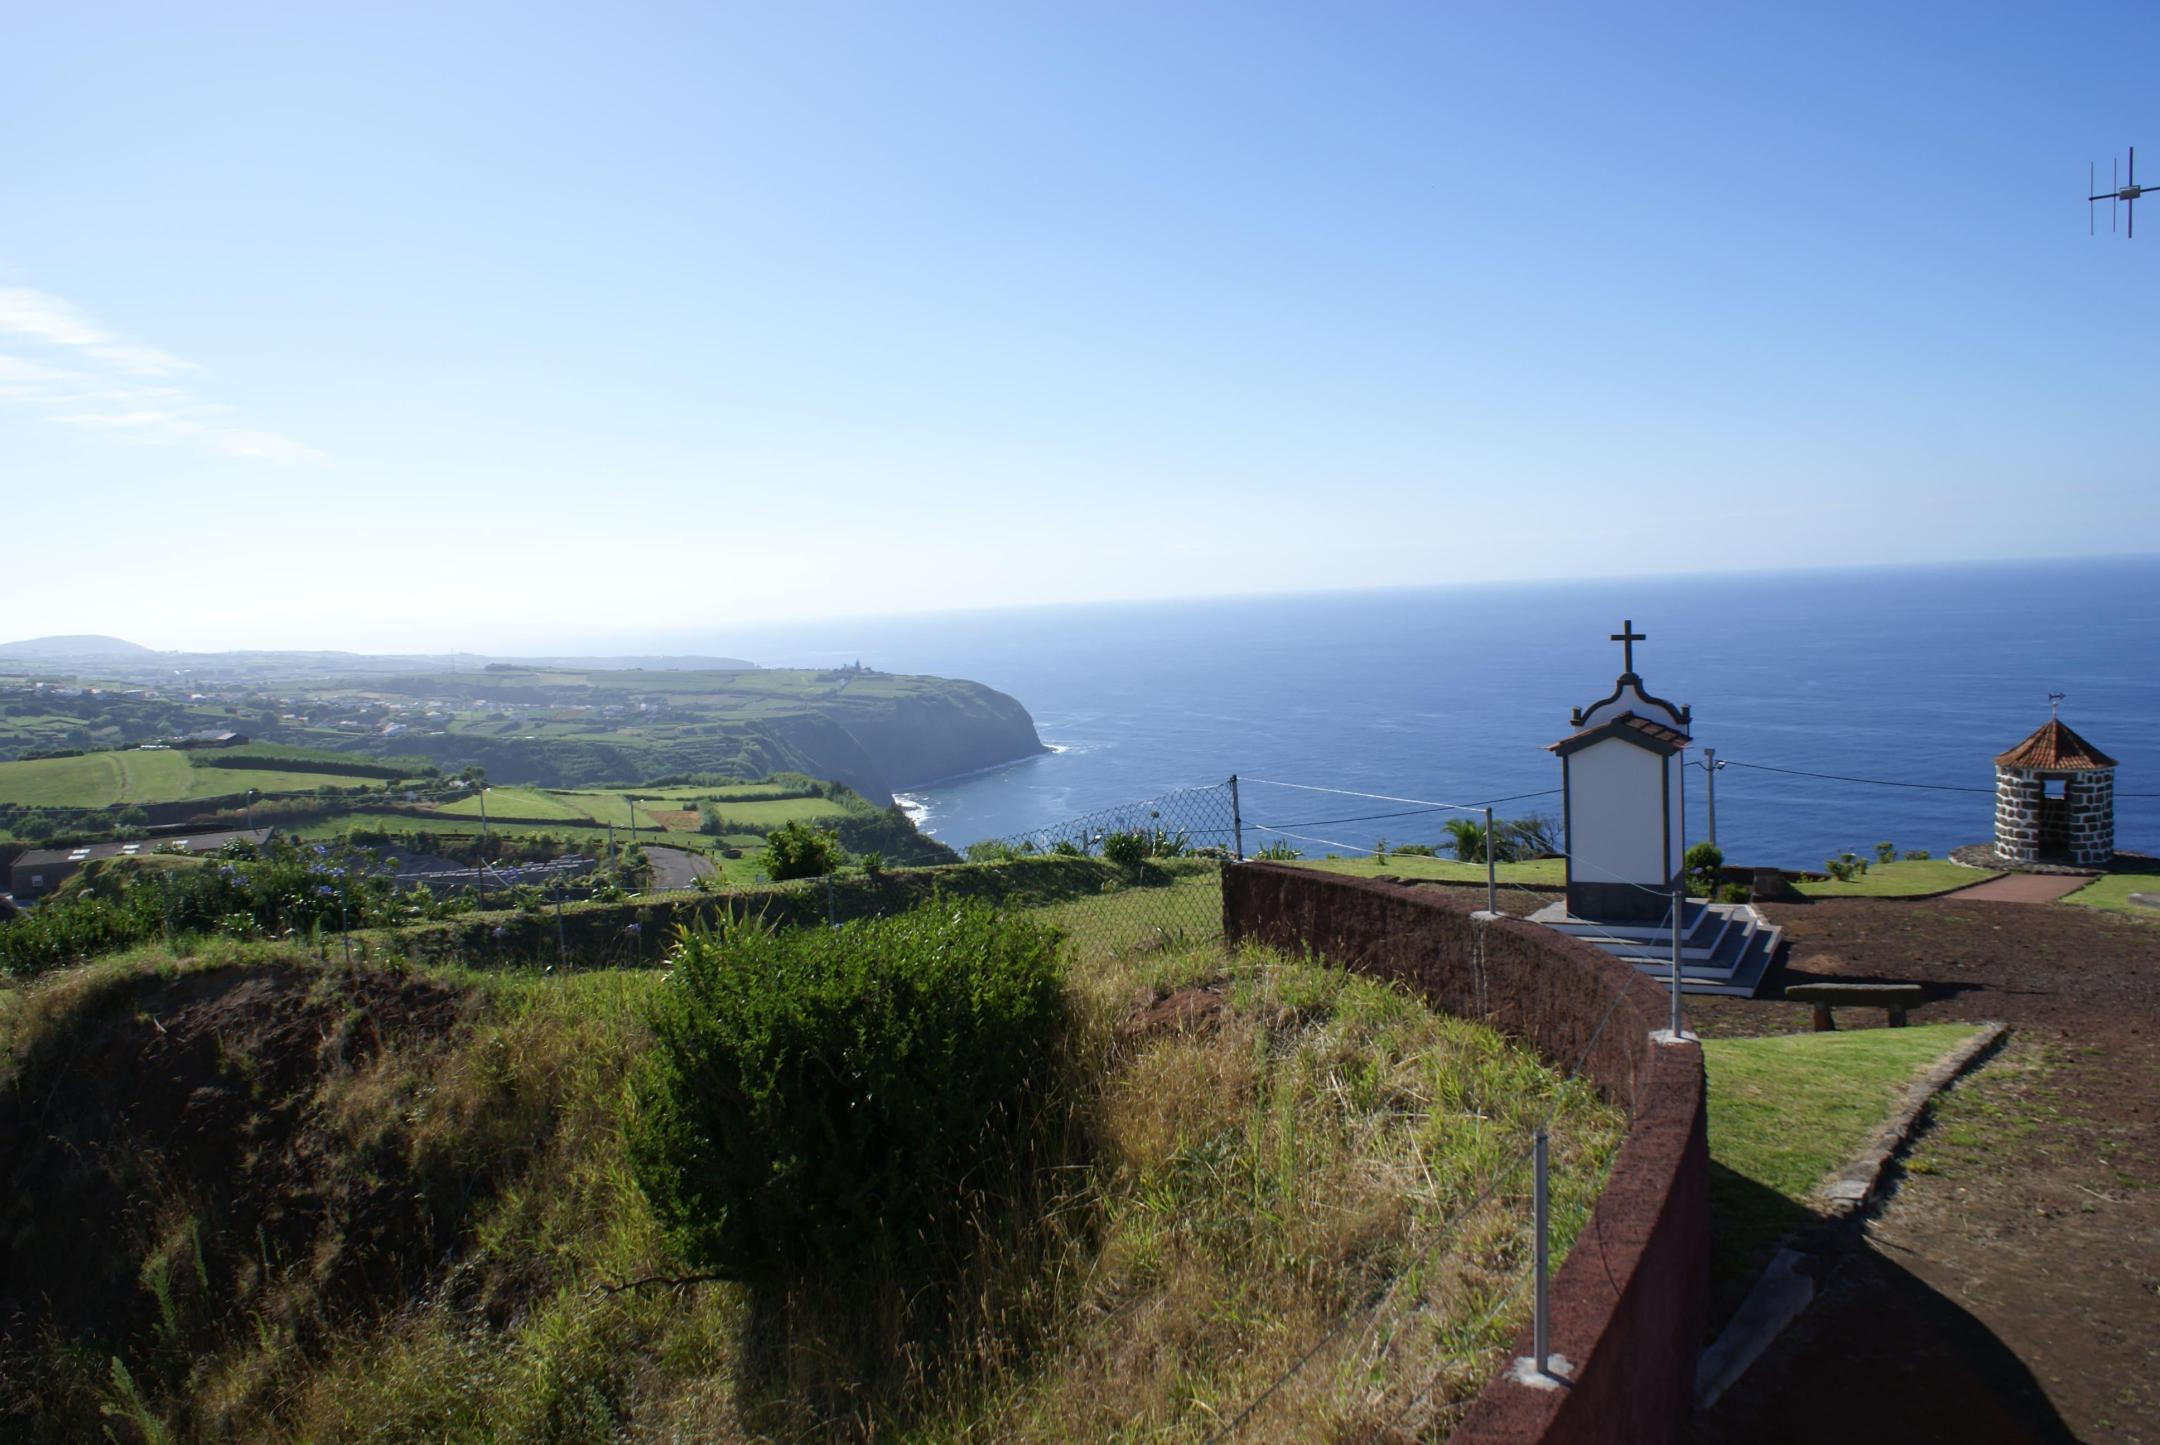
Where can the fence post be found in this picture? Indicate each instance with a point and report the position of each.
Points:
(1541, 1318)
(1492, 893)
(1679, 914)
(562, 946)
(1237, 822)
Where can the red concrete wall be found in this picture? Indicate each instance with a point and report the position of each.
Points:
(1628, 1306)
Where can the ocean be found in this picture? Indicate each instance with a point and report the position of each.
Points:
(1450, 694)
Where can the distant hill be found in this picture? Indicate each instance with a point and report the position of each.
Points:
(112, 659)
(85, 645)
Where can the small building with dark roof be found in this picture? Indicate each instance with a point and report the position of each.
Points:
(40, 870)
(2055, 800)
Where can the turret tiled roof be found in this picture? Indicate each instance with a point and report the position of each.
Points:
(2053, 747)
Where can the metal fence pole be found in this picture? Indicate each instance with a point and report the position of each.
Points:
(1541, 1318)
(1679, 913)
(1237, 821)
(1492, 880)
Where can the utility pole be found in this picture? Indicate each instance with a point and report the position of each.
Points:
(1709, 763)
(483, 818)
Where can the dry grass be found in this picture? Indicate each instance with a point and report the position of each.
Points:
(1280, 1153)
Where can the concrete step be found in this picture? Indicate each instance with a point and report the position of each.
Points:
(1725, 948)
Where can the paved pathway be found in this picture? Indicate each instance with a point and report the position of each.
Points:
(674, 868)
(2023, 888)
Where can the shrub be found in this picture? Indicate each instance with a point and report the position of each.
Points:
(818, 1100)
(1886, 852)
(797, 850)
(1702, 863)
(1279, 852)
(1414, 850)
(991, 850)
(1917, 855)
(1846, 866)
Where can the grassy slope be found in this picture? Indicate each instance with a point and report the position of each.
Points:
(1920, 878)
(1764, 1165)
(2112, 892)
(1262, 1169)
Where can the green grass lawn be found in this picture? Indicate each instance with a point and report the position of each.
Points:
(133, 775)
(2112, 891)
(1541, 872)
(1787, 1109)
(1917, 879)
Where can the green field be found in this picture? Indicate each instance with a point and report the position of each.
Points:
(103, 780)
(603, 806)
(1920, 878)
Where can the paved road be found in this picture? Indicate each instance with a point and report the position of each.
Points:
(674, 868)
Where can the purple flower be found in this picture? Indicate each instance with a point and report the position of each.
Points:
(326, 891)
(501, 932)
(631, 929)
(321, 851)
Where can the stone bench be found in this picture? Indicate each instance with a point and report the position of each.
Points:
(1895, 997)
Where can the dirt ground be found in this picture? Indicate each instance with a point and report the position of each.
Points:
(2008, 1289)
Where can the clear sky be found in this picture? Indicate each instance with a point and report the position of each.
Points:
(498, 325)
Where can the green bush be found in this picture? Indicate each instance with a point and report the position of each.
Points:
(1886, 852)
(1702, 863)
(821, 1100)
(797, 850)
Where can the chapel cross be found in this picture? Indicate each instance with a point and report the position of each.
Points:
(1627, 637)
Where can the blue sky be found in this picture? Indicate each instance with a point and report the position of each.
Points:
(496, 326)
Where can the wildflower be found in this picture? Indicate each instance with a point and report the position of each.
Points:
(500, 931)
(326, 891)
(321, 851)
(631, 929)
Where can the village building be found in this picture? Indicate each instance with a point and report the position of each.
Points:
(40, 870)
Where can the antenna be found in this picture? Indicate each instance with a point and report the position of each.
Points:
(2121, 195)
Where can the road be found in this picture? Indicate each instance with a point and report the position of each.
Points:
(674, 868)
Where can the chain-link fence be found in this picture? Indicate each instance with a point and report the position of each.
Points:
(1142, 875)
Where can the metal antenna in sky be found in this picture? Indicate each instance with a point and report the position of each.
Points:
(2122, 194)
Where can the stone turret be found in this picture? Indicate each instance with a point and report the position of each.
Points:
(2055, 800)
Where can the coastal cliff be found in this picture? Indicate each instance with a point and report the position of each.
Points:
(879, 733)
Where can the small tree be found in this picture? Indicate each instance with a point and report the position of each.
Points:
(797, 850)
(1886, 852)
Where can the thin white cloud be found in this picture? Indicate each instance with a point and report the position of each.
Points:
(97, 388)
(32, 313)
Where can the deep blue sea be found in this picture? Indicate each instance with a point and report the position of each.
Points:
(1451, 693)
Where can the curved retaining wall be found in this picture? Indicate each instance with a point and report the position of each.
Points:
(1629, 1304)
